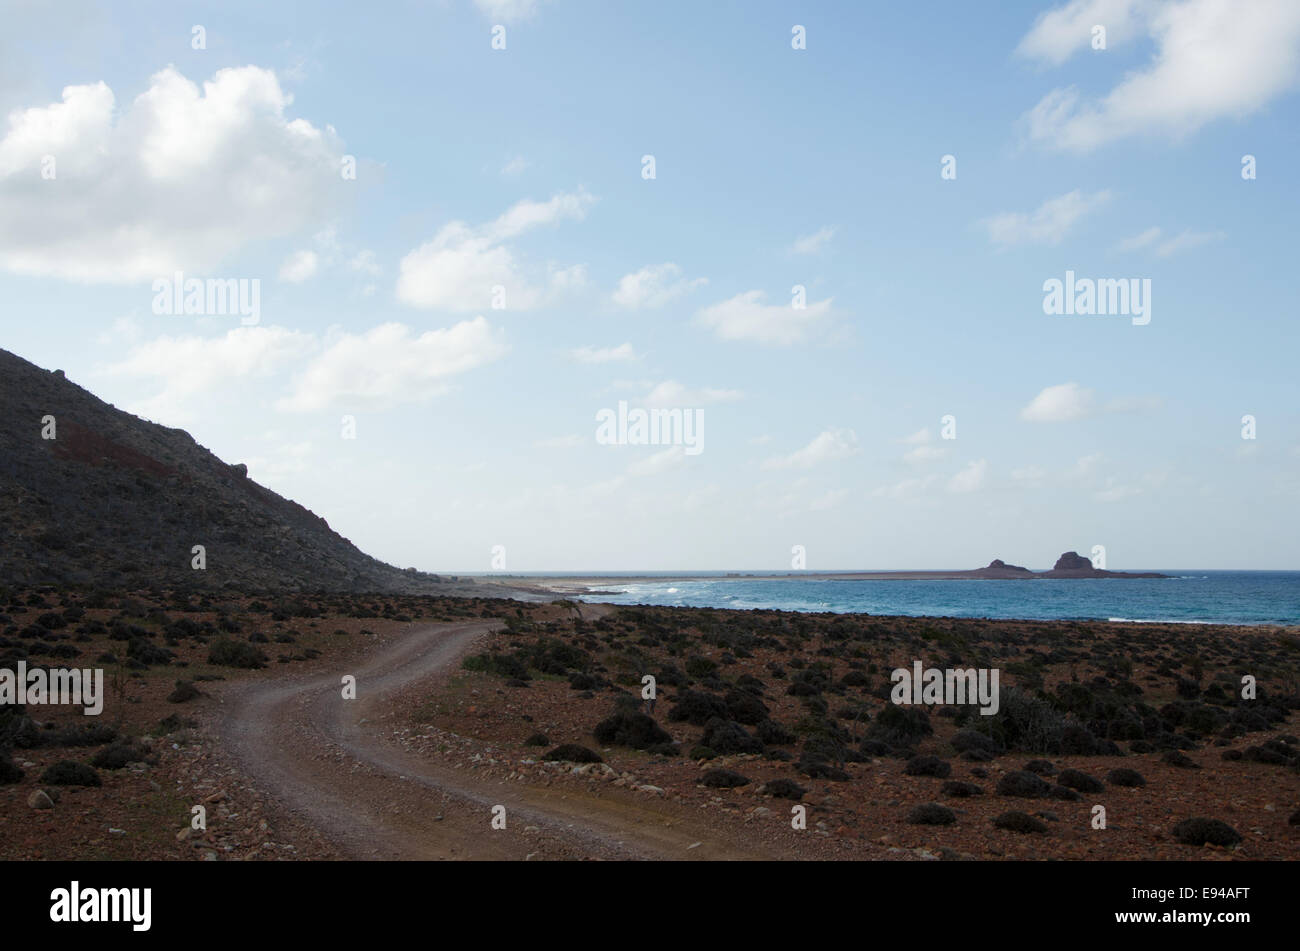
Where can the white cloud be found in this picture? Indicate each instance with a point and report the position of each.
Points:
(653, 286)
(924, 454)
(1214, 59)
(670, 393)
(507, 11)
(188, 366)
(1143, 240)
(1048, 223)
(387, 365)
(971, 478)
(827, 446)
(1151, 238)
(299, 266)
(623, 351)
(1059, 34)
(514, 167)
(905, 488)
(918, 438)
(457, 270)
(364, 262)
(812, 243)
(178, 179)
(746, 317)
(1061, 403)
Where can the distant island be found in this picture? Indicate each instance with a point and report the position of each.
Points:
(1070, 565)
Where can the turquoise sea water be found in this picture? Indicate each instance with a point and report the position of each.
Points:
(1210, 597)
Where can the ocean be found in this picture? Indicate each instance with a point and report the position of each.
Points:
(1188, 597)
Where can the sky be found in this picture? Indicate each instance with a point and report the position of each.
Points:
(825, 233)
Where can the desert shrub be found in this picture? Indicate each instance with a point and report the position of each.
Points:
(1180, 759)
(700, 751)
(185, 690)
(1024, 784)
(820, 769)
(928, 766)
(1041, 767)
(744, 707)
(139, 649)
(628, 728)
(572, 753)
(1020, 822)
(773, 734)
(1064, 793)
(723, 779)
(118, 755)
(900, 725)
(696, 707)
(972, 740)
(1026, 723)
(224, 652)
(931, 814)
(537, 739)
(582, 681)
(699, 667)
(1199, 830)
(1124, 776)
(1077, 779)
(727, 737)
(959, 789)
(67, 773)
(784, 789)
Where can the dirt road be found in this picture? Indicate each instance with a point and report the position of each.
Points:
(331, 763)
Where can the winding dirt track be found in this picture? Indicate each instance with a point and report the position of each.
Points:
(333, 763)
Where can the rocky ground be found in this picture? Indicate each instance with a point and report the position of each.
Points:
(757, 713)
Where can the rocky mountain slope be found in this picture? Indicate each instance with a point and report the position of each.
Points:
(114, 501)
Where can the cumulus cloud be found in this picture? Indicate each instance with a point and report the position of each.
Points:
(389, 365)
(457, 270)
(385, 366)
(1058, 404)
(827, 446)
(189, 365)
(746, 317)
(1213, 59)
(178, 179)
(1048, 223)
(653, 286)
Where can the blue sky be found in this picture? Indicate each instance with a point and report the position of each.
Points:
(522, 168)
